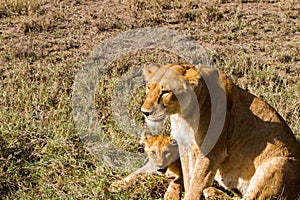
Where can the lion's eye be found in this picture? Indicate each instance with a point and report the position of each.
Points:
(163, 94)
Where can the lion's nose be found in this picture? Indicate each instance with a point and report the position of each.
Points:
(160, 166)
(146, 112)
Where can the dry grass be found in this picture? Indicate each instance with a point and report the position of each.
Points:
(43, 44)
(10, 8)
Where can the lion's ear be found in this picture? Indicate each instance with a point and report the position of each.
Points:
(149, 71)
(192, 75)
(216, 78)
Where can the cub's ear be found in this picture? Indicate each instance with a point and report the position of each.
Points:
(149, 71)
(193, 76)
(145, 137)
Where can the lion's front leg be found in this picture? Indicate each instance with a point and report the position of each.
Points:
(186, 165)
(203, 176)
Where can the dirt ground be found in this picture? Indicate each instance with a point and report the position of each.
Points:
(44, 43)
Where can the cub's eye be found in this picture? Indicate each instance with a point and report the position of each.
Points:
(166, 154)
(153, 153)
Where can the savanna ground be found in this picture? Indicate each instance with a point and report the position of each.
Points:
(45, 42)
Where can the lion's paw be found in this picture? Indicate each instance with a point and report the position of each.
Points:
(214, 193)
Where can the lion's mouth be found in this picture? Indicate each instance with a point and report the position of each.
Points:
(157, 117)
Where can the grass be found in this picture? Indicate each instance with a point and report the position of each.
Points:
(44, 43)
(9, 8)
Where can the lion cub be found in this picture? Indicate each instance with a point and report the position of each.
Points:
(163, 158)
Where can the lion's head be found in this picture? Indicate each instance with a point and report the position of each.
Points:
(166, 91)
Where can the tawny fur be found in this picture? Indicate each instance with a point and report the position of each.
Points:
(256, 155)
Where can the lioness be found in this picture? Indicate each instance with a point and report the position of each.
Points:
(256, 154)
(163, 158)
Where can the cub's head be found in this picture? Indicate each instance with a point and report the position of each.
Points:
(163, 150)
(168, 86)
